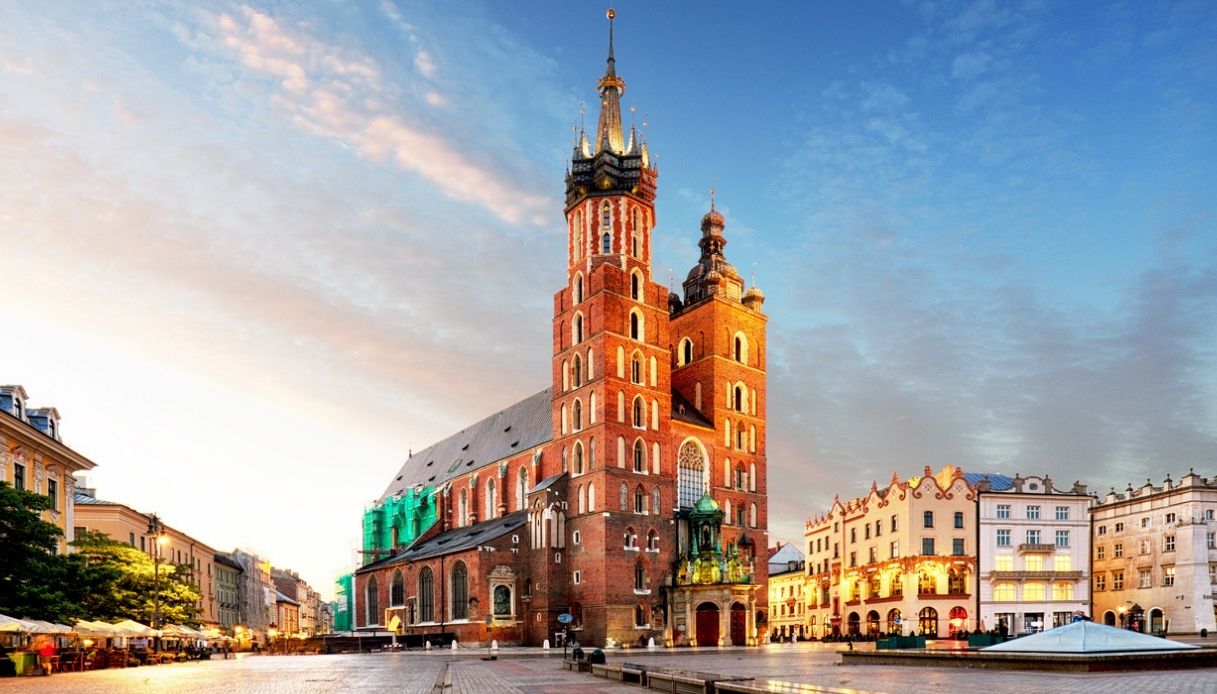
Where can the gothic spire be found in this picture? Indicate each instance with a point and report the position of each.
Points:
(608, 133)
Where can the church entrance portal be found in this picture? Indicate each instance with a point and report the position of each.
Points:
(707, 624)
(739, 624)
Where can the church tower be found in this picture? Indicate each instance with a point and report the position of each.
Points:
(611, 392)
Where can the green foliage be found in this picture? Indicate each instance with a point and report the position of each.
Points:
(125, 583)
(34, 581)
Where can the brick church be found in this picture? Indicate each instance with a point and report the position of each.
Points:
(630, 493)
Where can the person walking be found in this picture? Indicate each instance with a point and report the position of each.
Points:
(46, 655)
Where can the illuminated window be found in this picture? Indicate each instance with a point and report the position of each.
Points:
(1062, 562)
(1033, 592)
(1033, 562)
(1003, 592)
(1003, 562)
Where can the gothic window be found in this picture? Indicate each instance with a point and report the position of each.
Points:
(654, 414)
(463, 509)
(582, 505)
(578, 458)
(685, 353)
(741, 348)
(577, 329)
(752, 439)
(637, 233)
(490, 501)
(636, 325)
(578, 412)
(636, 369)
(636, 286)
(591, 454)
(591, 411)
(578, 237)
(426, 595)
(752, 515)
(577, 372)
(606, 220)
(640, 500)
(397, 590)
(460, 591)
(565, 465)
(562, 416)
(607, 244)
(591, 497)
(752, 477)
(652, 538)
(640, 456)
(640, 577)
(640, 413)
(625, 493)
(591, 370)
(738, 403)
(690, 474)
(577, 289)
(631, 537)
(655, 501)
(372, 600)
(521, 488)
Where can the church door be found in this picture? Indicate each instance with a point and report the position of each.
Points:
(707, 624)
(739, 625)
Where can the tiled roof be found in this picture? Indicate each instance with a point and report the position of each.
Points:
(280, 597)
(684, 411)
(999, 483)
(455, 540)
(522, 426)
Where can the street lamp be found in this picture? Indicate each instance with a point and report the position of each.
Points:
(159, 538)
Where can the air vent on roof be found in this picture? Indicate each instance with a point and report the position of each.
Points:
(469, 463)
(429, 463)
(431, 478)
(514, 444)
(398, 478)
(507, 429)
(465, 447)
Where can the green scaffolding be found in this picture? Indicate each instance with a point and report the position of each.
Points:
(342, 603)
(397, 522)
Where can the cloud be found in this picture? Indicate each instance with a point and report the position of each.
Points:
(335, 92)
(968, 66)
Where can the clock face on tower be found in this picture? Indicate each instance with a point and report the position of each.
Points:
(604, 183)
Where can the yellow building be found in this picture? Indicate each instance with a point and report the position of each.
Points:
(34, 458)
(124, 524)
(787, 594)
(901, 559)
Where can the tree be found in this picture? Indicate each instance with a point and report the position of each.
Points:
(35, 582)
(124, 583)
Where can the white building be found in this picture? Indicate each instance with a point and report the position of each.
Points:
(1034, 553)
(1155, 556)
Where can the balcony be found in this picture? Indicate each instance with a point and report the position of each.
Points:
(1046, 548)
(1034, 575)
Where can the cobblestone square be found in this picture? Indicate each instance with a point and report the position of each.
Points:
(800, 668)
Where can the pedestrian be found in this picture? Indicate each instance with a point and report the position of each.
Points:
(46, 652)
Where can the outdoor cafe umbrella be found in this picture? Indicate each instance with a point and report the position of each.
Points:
(95, 629)
(44, 627)
(132, 628)
(12, 625)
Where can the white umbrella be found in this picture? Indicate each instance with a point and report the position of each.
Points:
(44, 627)
(12, 625)
(130, 627)
(100, 629)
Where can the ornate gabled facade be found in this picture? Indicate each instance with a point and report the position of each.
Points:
(901, 559)
(592, 497)
(33, 457)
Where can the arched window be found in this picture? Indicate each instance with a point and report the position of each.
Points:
(926, 584)
(372, 601)
(752, 477)
(591, 454)
(577, 372)
(727, 517)
(576, 289)
(565, 463)
(652, 538)
(490, 500)
(578, 458)
(625, 493)
(684, 354)
(752, 515)
(752, 441)
(738, 403)
(576, 334)
(631, 537)
(562, 416)
(654, 372)
(636, 332)
(654, 414)
(591, 410)
(928, 622)
(640, 413)
(690, 474)
(578, 412)
(640, 578)
(640, 500)
(896, 587)
(426, 595)
(636, 285)
(955, 582)
(606, 244)
(521, 488)
(591, 497)
(636, 234)
(397, 590)
(655, 507)
(640, 456)
(460, 591)
(582, 502)
(741, 348)
(578, 236)
(636, 368)
(462, 510)
(606, 219)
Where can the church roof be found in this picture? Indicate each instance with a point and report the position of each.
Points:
(455, 540)
(684, 411)
(522, 426)
(1087, 637)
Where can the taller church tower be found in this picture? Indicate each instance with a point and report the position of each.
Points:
(611, 393)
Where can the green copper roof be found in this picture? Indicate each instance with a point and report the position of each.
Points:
(706, 505)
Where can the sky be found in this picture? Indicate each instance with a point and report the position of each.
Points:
(256, 253)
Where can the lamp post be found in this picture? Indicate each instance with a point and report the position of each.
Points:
(157, 533)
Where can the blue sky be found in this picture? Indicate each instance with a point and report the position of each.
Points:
(257, 252)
